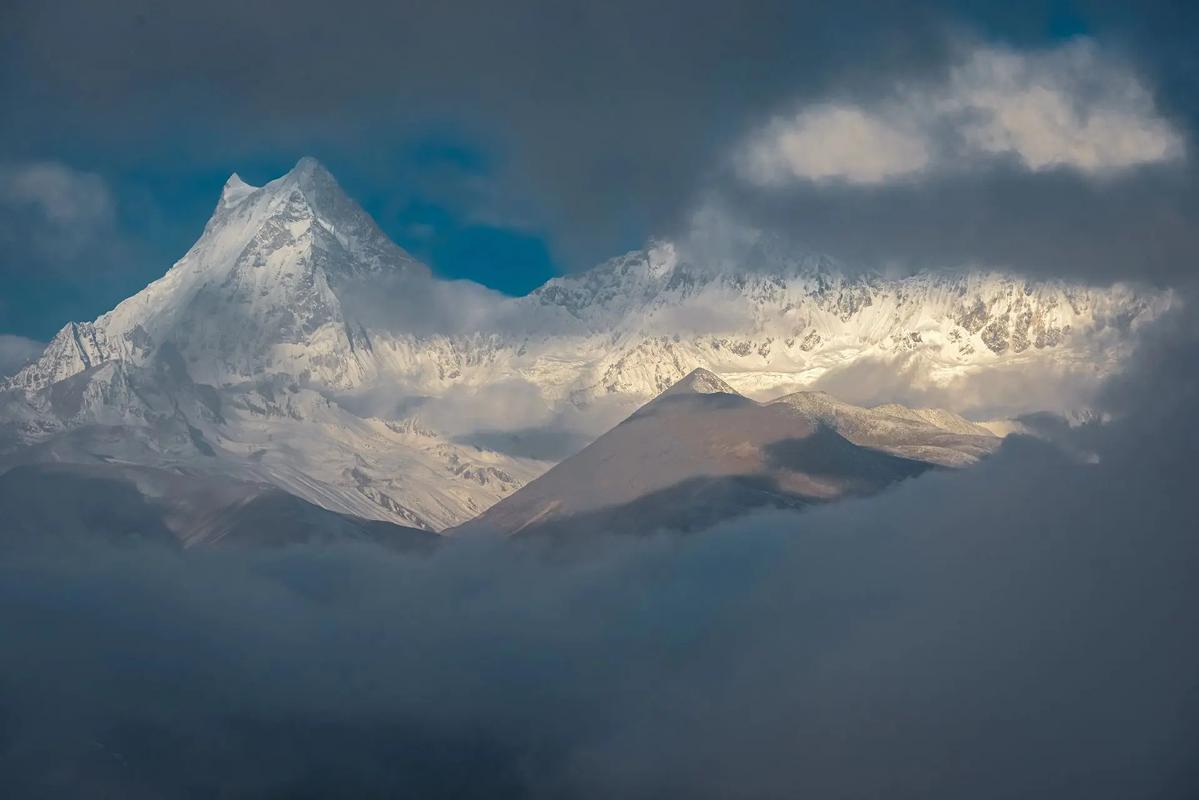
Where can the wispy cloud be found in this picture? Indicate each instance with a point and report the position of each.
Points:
(57, 210)
(15, 352)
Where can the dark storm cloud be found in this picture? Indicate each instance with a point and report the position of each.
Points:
(1024, 628)
(608, 121)
(610, 113)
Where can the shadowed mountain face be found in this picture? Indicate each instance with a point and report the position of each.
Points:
(700, 453)
(52, 504)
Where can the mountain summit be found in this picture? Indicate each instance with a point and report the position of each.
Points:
(699, 381)
(260, 292)
(234, 191)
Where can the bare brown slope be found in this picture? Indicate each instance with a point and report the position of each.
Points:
(696, 454)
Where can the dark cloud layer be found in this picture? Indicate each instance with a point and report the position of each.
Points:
(1024, 628)
(611, 113)
(1057, 224)
(607, 121)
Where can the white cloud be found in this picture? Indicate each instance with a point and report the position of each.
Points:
(15, 352)
(1069, 107)
(834, 142)
(61, 194)
(1065, 107)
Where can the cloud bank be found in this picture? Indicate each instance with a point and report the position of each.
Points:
(1019, 629)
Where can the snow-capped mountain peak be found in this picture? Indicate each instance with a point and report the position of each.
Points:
(234, 191)
(293, 307)
(258, 292)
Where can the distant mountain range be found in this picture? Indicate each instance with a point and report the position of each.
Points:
(296, 347)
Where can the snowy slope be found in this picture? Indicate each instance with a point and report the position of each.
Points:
(228, 361)
(295, 343)
(255, 294)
